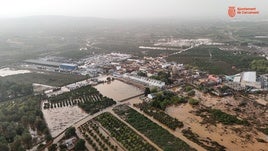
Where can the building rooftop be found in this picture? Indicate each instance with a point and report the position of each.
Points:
(249, 76)
(43, 62)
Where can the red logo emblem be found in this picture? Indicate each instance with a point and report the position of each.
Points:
(231, 11)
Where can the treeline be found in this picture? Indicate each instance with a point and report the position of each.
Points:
(16, 118)
(225, 118)
(93, 107)
(11, 90)
(260, 65)
(165, 99)
(160, 116)
(74, 94)
(213, 116)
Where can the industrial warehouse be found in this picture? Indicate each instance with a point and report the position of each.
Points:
(49, 65)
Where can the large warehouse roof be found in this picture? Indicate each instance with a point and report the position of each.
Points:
(249, 76)
(42, 62)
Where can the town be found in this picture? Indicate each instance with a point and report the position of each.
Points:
(73, 81)
(234, 99)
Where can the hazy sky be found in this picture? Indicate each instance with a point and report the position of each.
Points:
(127, 8)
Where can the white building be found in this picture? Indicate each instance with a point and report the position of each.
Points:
(145, 80)
(248, 78)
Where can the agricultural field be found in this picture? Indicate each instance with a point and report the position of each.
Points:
(95, 132)
(214, 60)
(160, 116)
(87, 98)
(63, 110)
(154, 132)
(97, 137)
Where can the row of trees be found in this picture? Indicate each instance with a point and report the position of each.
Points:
(215, 115)
(154, 132)
(94, 107)
(260, 65)
(87, 97)
(95, 137)
(160, 115)
(125, 135)
(225, 118)
(75, 94)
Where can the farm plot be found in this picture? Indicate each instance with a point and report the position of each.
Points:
(87, 98)
(126, 139)
(97, 137)
(160, 116)
(154, 132)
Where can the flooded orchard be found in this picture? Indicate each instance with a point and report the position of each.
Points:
(58, 119)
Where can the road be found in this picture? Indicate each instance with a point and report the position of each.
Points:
(129, 103)
(176, 133)
(183, 50)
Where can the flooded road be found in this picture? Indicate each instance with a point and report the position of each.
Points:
(7, 72)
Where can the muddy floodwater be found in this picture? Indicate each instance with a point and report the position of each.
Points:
(7, 72)
(58, 119)
(118, 90)
(223, 134)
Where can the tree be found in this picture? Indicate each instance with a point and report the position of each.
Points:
(10, 132)
(16, 145)
(142, 74)
(80, 145)
(48, 137)
(260, 65)
(53, 147)
(191, 93)
(147, 91)
(26, 139)
(154, 90)
(193, 101)
(188, 88)
(40, 124)
(70, 132)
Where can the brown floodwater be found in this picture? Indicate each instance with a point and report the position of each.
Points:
(224, 135)
(58, 119)
(118, 90)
